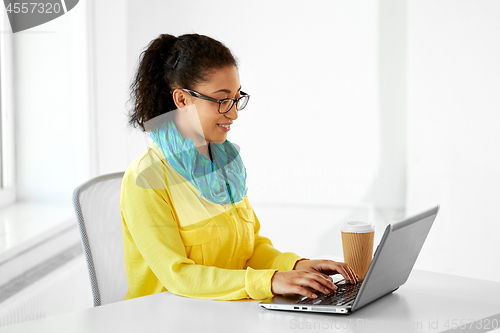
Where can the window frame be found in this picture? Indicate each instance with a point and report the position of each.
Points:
(8, 194)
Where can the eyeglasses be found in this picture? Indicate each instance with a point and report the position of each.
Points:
(224, 104)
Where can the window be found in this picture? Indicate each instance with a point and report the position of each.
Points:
(7, 170)
(1, 131)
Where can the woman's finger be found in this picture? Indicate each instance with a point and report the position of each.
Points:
(318, 282)
(322, 288)
(353, 273)
(348, 274)
(326, 276)
(304, 292)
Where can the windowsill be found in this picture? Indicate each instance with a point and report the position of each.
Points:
(30, 226)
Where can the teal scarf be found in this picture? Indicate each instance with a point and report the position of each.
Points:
(220, 182)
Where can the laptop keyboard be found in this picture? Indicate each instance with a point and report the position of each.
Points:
(345, 293)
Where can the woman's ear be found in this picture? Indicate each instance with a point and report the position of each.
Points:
(181, 98)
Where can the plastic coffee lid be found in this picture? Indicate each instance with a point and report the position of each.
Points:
(357, 227)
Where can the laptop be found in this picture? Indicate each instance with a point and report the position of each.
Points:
(390, 268)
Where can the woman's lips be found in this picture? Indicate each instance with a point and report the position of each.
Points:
(225, 128)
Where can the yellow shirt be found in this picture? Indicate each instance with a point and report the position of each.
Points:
(187, 245)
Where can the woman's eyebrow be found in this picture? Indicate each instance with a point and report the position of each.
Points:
(225, 90)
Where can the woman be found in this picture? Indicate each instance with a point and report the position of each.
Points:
(188, 225)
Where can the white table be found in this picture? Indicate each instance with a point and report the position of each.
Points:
(428, 302)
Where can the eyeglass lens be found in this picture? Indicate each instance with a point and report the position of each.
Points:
(226, 105)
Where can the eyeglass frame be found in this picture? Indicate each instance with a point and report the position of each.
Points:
(218, 101)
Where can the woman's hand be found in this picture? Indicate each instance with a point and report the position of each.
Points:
(327, 267)
(313, 274)
(287, 282)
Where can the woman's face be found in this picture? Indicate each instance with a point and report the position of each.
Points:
(222, 83)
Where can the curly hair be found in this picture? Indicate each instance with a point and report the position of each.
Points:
(171, 62)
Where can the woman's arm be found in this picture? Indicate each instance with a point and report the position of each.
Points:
(150, 226)
(284, 281)
(156, 258)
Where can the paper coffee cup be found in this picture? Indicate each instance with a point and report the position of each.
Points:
(357, 243)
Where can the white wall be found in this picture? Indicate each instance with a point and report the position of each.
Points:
(453, 132)
(7, 159)
(71, 87)
(109, 85)
(51, 108)
(306, 136)
(341, 111)
(311, 137)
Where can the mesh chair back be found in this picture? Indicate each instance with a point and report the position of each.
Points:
(97, 208)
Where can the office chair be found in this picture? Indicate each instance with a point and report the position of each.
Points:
(97, 208)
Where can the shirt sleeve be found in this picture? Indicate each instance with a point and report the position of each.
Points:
(149, 222)
(265, 256)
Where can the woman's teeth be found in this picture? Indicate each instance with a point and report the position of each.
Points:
(225, 128)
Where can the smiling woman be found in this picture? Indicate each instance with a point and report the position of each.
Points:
(188, 224)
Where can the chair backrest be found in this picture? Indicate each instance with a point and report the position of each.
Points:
(97, 208)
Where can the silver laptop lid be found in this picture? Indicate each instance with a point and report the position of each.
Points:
(395, 256)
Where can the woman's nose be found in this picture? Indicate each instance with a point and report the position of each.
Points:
(232, 113)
